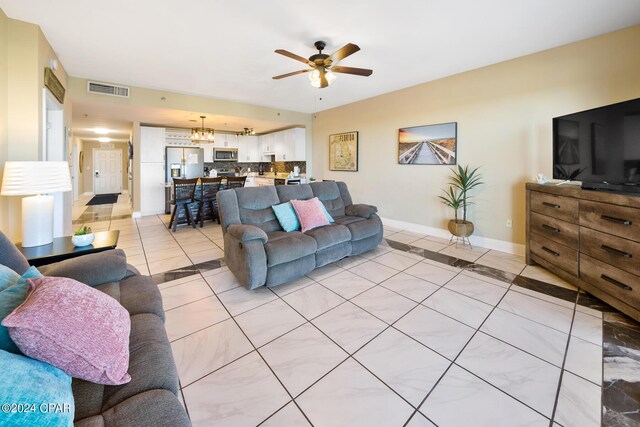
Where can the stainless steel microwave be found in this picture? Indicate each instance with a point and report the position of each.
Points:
(225, 154)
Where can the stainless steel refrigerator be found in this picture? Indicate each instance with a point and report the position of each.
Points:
(184, 163)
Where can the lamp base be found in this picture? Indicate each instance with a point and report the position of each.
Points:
(37, 221)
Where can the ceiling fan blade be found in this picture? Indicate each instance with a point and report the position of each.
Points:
(294, 56)
(343, 52)
(282, 76)
(323, 80)
(352, 70)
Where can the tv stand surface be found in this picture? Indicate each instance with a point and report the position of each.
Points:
(632, 188)
(589, 238)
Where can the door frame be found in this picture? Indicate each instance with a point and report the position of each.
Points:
(117, 151)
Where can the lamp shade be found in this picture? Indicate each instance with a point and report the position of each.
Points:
(29, 178)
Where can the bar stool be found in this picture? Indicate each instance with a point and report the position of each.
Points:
(209, 187)
(183, 196)
(235, 181)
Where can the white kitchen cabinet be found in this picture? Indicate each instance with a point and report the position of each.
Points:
(280, 147)
(294, 145)
(267, 144)
(152, 141)
(248, 149)
(225, 140)
(152, 188)
(208, 153)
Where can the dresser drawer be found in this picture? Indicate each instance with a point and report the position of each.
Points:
(622, 253)
(555, 253)
(555, 229)
(561, 207)
(613, 219)
(622, 285)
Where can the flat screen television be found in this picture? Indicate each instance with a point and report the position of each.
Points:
(600, 147)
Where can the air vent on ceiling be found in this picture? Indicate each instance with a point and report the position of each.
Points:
(107, 89)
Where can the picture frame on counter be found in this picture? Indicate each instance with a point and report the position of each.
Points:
(428, 145)
(343, 152)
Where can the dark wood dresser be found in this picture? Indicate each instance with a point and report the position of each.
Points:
(591, 239)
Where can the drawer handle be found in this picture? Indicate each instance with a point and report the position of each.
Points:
(554, 253)
(551, 205)
(616, 220)
(550, 228)
(616, 251)
(615, 282)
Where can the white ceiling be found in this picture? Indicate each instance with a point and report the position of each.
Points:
(224, 49)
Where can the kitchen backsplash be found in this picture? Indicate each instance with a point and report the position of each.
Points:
(278, 167)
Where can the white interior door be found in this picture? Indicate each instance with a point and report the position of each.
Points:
(107, 171)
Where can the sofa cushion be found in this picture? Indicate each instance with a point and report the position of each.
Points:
(361, 228)
(138, 294)
(330, 235)
(255, 204)
(91, 269)
(346, 220)
(11, 256)
(329, 195)
(287, 193)
(284, 247)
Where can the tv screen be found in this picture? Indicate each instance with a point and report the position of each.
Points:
(600, 147)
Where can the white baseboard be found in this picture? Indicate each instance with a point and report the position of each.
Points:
(485, 242)
(87, 193)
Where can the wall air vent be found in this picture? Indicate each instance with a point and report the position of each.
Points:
(107, 89)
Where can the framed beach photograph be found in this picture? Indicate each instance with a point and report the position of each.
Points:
(343, 152)
(428, 145)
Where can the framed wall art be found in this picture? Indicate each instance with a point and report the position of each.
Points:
(428, 145)
(343, 152)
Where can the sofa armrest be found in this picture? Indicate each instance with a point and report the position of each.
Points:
(92, 269)
(247, 233)
(361, 210)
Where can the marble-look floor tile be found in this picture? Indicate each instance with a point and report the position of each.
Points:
(461, 397)
(313, 300)
(384, 304)
(462, 308)
(243, 393)
(410, 286)
(180, 281)
(525, 377)
(289, 416)
(464, 252)
(404, 237)
(350, 261)
(578, 402)
(503, 261)
(221, 281)
(349, 326)
(350, 396)
(294, 285)
(419, 420)
(587, 327)
(403, 364)
(588, 310)
(185, 293)
(546, 313)
(436, 331)
(446, 266)
(347, 284)
(193, 317)
(373, 271)
(209, 254)
(534, 338)
(269, 321)
(301, 357)
(544, 275)
(395, 260)
(239, 300)
(544, 297)
(168, 264)
(584, 359)
(431, 273)
(477, 289)
(381, 249)
(485, 278)
(429, 245)
(324, 272)
(203, 352)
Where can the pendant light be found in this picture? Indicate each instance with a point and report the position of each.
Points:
(203, 135)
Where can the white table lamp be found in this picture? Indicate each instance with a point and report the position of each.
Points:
(37, 180)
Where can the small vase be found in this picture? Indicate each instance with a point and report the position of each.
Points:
(83, 239)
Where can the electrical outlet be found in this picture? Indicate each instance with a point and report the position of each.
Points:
(509, 223)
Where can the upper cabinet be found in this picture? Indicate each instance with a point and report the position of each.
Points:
(280, 147)
(266, 143)
(225, 140)
(287, 145)
(208, 153)
(249, 149)
(152, 141)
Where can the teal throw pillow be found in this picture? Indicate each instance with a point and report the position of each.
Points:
(329, 218)
(10, 298)
(286, 216)
(8, 277)
(34, 393)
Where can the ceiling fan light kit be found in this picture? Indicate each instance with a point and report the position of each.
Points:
(323, 68)
(203, 135)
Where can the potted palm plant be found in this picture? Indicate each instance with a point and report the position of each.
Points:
(457, 197)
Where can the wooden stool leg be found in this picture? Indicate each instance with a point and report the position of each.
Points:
(174, 221)
(201, 214)
(190, 220)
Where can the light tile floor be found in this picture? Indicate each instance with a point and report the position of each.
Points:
(383, 339)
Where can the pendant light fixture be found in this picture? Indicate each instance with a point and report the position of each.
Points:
(203, 135)
(248, 131)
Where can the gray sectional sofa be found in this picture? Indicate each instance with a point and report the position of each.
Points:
(150, 399)
(259, 252)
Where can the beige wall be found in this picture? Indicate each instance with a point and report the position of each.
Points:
(24, 53)
(504, 114)
(87, 173)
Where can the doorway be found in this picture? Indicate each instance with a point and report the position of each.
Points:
(107, 171)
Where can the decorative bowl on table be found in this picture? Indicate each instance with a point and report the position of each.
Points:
(83, 237)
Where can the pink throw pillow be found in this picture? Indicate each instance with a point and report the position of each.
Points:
(310, 213)
(74, 327)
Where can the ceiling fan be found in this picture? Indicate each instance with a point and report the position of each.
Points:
(323, 66)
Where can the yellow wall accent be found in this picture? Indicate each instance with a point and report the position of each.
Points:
(504, 114)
